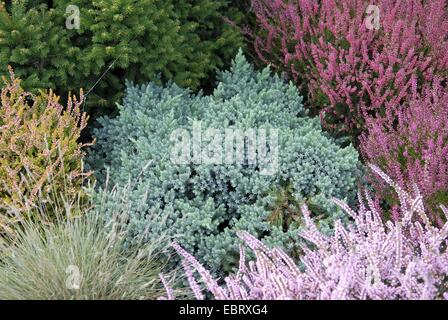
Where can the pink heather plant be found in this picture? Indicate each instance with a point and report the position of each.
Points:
(411, 146)
(369, 259)
(350, 71)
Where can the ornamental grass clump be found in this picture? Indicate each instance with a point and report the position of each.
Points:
(369, 259)
(40, 156)
(81, 258)
(351, 66)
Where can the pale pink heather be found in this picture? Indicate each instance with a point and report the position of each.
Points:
(369, 259)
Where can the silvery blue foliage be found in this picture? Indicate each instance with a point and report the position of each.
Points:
(204, 204)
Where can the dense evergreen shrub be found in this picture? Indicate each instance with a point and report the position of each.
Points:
(180, 40)
(40, 156)
(207, 203)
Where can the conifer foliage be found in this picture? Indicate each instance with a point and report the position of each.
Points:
(205, 203)
(180, 40)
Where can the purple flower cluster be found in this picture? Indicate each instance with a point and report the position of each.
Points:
(369, 259)
(350, 70)
(411, 146)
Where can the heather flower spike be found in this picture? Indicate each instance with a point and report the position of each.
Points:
(351, 70)
(370, 259)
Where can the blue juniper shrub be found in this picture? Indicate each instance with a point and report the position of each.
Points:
(201, 204)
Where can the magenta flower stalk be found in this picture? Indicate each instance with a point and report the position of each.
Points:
(352, 71)
(411, 146)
